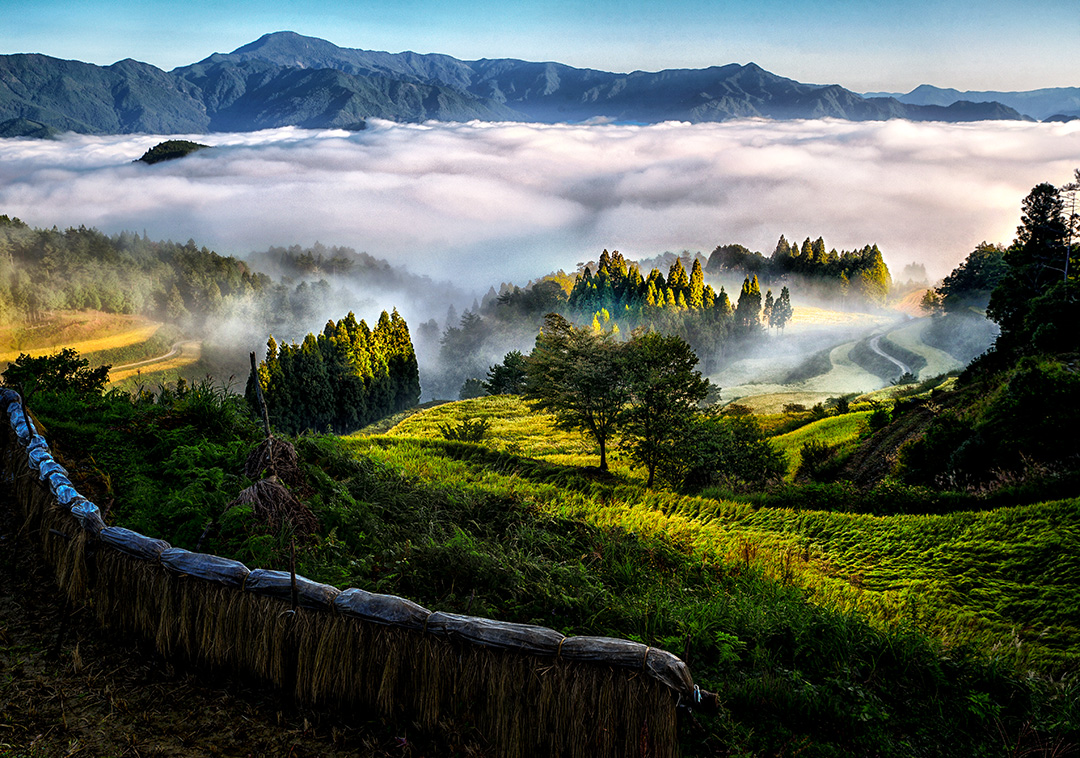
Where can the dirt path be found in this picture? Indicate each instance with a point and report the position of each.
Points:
(181, 354)
(176, 348)
(904, 368)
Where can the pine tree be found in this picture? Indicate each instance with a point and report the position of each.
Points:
(696, 293)
(782, 311)
(748, 309)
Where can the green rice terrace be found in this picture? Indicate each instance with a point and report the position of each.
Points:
(891, 621)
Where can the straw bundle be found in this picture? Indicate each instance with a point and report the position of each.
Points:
(276, 506)
(275, 457)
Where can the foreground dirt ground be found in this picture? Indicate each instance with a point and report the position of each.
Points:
(99, 697)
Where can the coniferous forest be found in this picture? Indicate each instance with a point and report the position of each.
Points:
(342, 379)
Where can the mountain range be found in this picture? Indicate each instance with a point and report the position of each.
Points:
(286, 79)
(1050, 104)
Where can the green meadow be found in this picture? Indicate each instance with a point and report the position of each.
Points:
(1003, 580)
(823, 633)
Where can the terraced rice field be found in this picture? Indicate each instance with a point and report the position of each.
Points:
(909, 336)
(86, 332)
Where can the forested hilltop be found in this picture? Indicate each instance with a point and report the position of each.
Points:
(683, 294)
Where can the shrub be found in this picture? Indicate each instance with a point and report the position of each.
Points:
(472, 388)
(879, 417)
(818, 461)
(730, 450)
(841, 405)
(58, 372)
(469, 430)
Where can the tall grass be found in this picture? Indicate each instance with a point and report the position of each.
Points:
(985, 578)
(824, 633)
(834, 431)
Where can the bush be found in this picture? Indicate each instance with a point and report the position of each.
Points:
(842, 405)
(59, 372)
(729, 450)
(879, 417)
(819, 462)
(469, 430)
(472, 388)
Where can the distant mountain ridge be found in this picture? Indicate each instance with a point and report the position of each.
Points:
(1041, 104)
(287, 79)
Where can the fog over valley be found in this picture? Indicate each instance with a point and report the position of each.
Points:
(483, 203)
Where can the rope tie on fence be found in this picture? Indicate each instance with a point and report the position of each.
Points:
(558, 652)
(645, 659)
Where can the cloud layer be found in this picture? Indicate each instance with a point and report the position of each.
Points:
(482, 203)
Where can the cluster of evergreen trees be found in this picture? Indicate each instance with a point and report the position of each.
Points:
(342, 379)
(859, 275)
(621, 290)
(681, 303)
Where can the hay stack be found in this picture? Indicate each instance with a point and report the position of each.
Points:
(277, 507)
(275, 457)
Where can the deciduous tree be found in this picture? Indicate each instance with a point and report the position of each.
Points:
(664, 391)
(577, 374)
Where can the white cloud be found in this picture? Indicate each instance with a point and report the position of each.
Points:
(493, 202)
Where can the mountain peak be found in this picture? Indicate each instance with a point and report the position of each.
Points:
(285, 41)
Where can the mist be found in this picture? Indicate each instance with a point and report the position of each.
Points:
(481, 203)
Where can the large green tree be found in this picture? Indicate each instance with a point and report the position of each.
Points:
(664, 391)
(1036, 302)
(970, 284)
(577, 374)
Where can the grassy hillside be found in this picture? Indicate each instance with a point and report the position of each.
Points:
(983, 578)
(87, 332)
(834, 431)
(819, 630)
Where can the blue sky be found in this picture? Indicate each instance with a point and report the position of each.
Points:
(893, 45)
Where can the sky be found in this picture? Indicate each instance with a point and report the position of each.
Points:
(865, 46)
(484, 203)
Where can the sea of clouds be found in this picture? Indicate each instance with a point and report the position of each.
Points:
(481, 203)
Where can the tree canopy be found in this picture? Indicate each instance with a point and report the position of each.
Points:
(577, 375)
(664, 390)
(1036, 302)
(342, 379)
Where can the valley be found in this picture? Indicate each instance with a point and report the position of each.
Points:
(516, 380)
